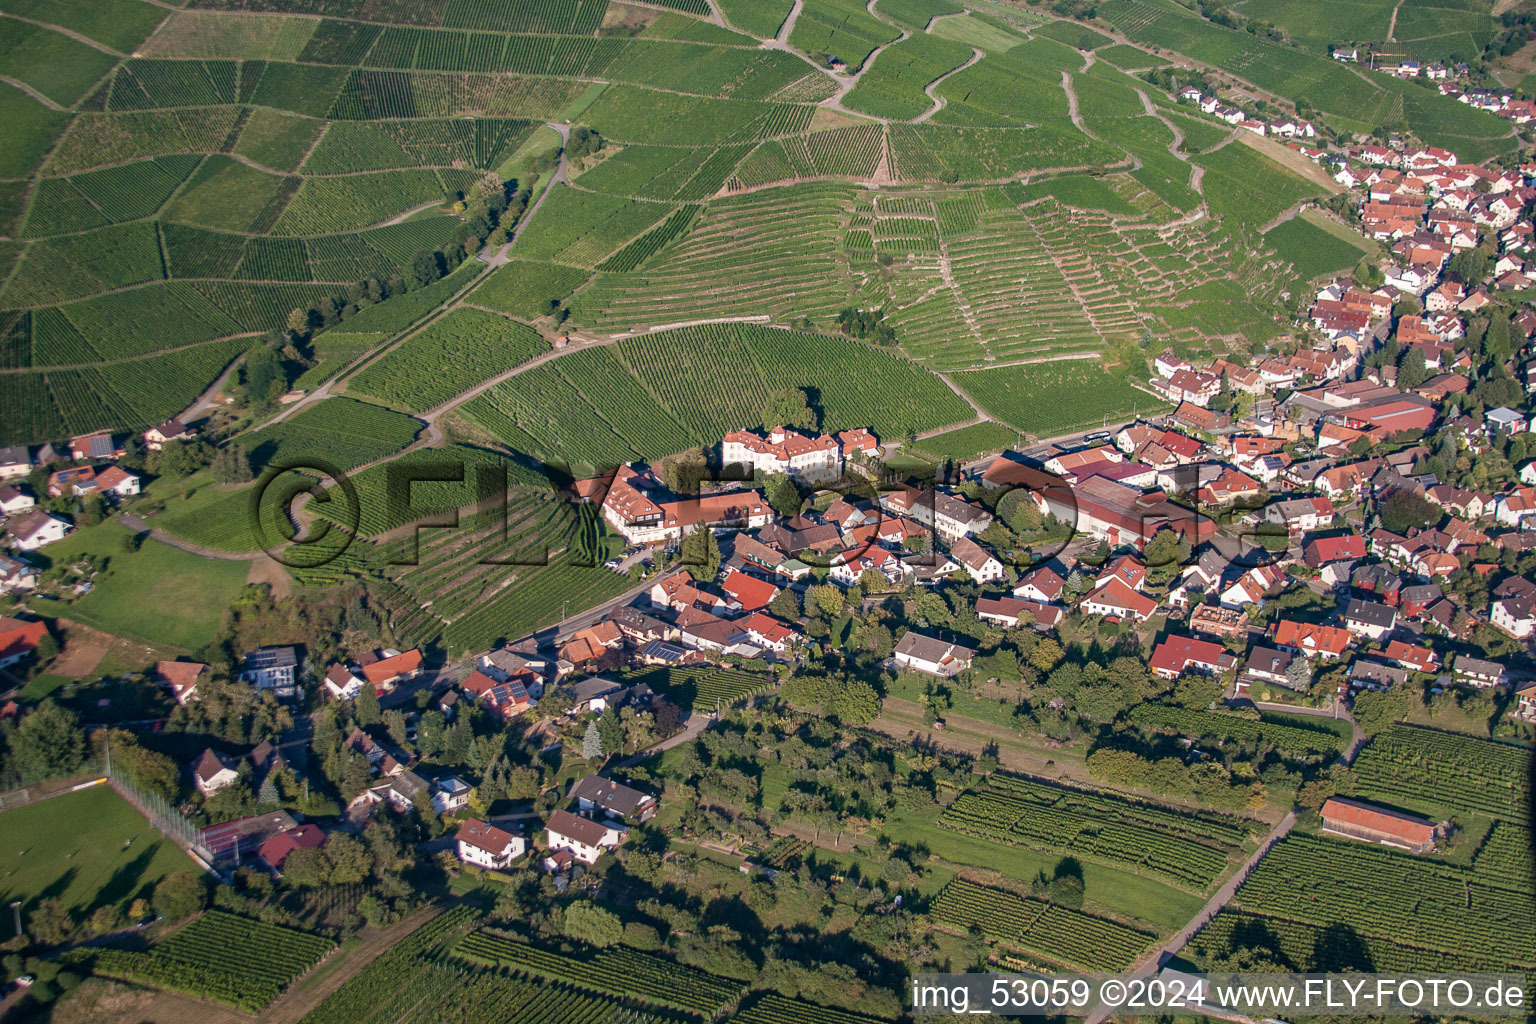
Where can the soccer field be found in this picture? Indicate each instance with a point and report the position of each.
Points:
(86, 849)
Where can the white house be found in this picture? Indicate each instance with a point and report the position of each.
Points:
(117, 483)
(585, 838)
(1516, 507)
(782, 451)
(31, 530)
(14, 500)
(1514, 608)
(487, 846)
(15, 461)
(1369, 619)
(931, 655)
(273, 668)
(213, 771)
(978, 561)
(450, 795)
(341, 684)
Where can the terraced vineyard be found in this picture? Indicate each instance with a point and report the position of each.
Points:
(654, 395)
(247, 162)
(1188, 849)
(451, 355)
(1061, 936)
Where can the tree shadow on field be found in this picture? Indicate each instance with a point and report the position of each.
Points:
(126, 880)
(1341, 948)
(58, 887)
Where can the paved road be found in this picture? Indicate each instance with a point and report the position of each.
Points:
(500, 256)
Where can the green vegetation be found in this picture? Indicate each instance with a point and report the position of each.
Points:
(1058, 934)
(1050, 398)
(968, 442)
(1313, 251)
(528, 290)
(339, 431)
(87, 850)
(1444, 773)
(138, 589)
(1189, 850)
(450, 355)
(222, 957)
(657, 393)
(1078, 36)
(762, 18)
(893, 86)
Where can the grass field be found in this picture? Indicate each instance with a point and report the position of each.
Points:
(88, 849)
(160, 593)
(1050, 398)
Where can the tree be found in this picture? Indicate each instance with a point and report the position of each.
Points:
(701, 554)
(232, 465)
(592, 742)
(825, 600)
(855, 702)
(50, 922)
(1166, 548)
(367, 708)
(1412, 372)
(347, 859)
(587, 922)
(298, 321)
(1402, 510)
(180, 895)
(1019, 511)
(785, 605)
(1469, 266)
(583, 142)
(263, 379)
(782, 494)
(789, 407)
(1299, 673)
(1066, 890)
(47, 743)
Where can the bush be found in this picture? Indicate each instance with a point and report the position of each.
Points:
(180, 895)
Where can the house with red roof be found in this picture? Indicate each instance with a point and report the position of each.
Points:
(1116, 599)
(180, 677)
(1042, 584)
(486, 846)
(768, 632)
(749, 592)
(1416, 657)
(1012, 611)
(1321, 551)
(1177, 655)
(275, 851)
(19, 639)
(388, 669)
(1311, 639)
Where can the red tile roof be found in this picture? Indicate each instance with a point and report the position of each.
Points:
(1377, 819)
(275, 851)
(385, 669)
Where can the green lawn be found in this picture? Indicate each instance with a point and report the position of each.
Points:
(41, 685)
(1160, 906)
(159, 593)
(86, 849)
